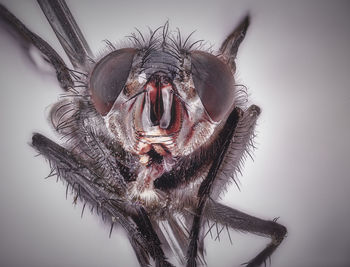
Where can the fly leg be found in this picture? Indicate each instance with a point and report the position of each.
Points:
(68, 33)
(233, 143)
(110, 201)
(154, 245)
(243, 222)
(28, 39)
(205, 187)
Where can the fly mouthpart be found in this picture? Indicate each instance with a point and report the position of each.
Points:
(147, 135)
(147, 139)
(155, 154)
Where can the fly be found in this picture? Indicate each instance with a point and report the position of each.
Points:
(153, 132)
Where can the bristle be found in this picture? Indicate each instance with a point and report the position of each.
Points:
(111, 229)
(82, 210)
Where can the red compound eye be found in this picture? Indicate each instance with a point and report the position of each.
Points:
(109, 77)
(214, 83)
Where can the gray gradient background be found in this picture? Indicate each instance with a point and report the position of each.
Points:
(296, 63)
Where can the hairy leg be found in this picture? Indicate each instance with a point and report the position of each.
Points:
(234, 142)
(131, 217)
(205, 188)
(243, 222)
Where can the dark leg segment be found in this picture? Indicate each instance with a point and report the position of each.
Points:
(205, 188)
(67, 32)
(28, 38)
(243, 222)
(131, 217)
(154, 245)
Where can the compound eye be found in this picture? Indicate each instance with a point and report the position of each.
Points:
(214, 84)
(108, 78)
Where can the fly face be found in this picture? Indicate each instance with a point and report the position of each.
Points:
(161, 103)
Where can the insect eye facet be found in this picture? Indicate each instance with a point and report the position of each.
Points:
(109, 77)
(214, 83)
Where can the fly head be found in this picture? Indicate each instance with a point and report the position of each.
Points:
(164, 102)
